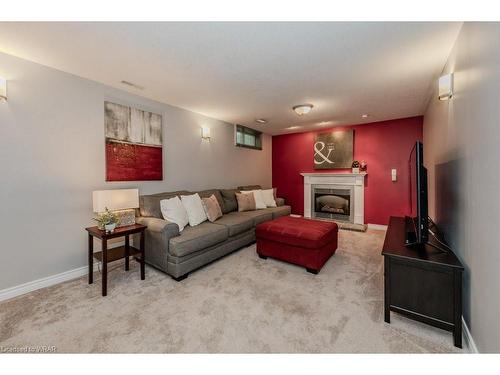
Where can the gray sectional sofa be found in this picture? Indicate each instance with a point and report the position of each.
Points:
(177, 254)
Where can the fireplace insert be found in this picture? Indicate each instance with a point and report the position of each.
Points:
(332, 204)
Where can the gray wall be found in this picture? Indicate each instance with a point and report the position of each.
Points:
(462, 154)
(52, 157)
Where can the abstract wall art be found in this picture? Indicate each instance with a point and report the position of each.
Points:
(134, 150)
(333, 150)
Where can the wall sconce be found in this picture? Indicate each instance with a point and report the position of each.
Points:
(205, 133)
(3, 89)
(446, 87)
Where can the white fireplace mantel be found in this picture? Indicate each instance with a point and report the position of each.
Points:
(356, 180)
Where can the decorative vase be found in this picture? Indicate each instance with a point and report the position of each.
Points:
(355, 170)
(110, 227)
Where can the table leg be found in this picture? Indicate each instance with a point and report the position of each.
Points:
(91, 259)
(143, 257)
(104, 267)
(127, 252)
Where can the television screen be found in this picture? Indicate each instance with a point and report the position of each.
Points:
(418, 196)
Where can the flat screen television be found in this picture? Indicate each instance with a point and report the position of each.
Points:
(417, 220)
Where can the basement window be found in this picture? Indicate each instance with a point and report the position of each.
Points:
(247, 137)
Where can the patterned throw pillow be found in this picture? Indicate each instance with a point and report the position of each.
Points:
(246, 202)
(212, 208)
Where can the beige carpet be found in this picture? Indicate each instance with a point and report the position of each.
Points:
(238, 304)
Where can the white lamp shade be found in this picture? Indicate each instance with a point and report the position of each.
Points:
(446, 87)
(3, 89)
(118, 199)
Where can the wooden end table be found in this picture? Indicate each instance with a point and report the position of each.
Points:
(110, 255)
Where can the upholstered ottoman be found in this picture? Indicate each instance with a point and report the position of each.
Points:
(305, 242)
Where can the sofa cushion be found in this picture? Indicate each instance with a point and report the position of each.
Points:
(173, 210)
(280, 211)
(209, 193)
(197, 238)
(246, 201)
(280, 202)
(212, 208)
(259, 216)
(229, 197)
(236, 223)
(249, 187)
(149, 205)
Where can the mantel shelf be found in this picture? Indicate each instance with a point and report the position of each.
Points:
(340, 174)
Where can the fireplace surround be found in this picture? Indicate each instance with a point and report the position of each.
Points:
(335, 196)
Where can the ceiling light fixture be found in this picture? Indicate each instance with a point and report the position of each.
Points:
(364, 116)
(261, 120)
(303, 109)
(324, 123)
(293, 127)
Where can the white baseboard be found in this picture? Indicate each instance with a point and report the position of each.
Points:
(44, 282)
(469, 341)
(51, 280)
(377, 226)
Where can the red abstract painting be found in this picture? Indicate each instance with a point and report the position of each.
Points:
(133, 144)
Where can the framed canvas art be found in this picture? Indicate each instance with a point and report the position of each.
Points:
(134, 150)
(333, 150)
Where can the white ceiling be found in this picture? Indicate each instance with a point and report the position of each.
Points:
(238, 72)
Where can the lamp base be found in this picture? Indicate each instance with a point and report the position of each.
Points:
(127, 217)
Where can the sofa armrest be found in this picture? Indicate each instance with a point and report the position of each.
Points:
(159, 225)
(158, 235)
(280, 202)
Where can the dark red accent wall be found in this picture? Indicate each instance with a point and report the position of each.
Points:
(384, 145)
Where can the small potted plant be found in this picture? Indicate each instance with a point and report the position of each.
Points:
(107, 221)
(355, 166)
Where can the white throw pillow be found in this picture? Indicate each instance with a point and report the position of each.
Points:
(173, 210)
(268, 196)
(194, 207)
(259, 199)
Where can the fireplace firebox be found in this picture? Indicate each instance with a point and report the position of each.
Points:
(332, 203)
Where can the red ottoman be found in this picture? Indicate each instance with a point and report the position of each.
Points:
(305, 242)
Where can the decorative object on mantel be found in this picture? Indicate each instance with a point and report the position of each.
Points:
(120, 202)
(363, 165)
(133, 144)
(355, 166)
(333, 150)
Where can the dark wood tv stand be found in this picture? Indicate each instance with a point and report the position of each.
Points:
(422, 282)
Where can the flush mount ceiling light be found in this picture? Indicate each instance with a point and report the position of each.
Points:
(446, 87)
(3, 89)
(303, 109)
(324, 123)
(261, 121)
(293, 127)
(365, 115)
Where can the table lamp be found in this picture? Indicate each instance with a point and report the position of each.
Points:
(120, 201)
